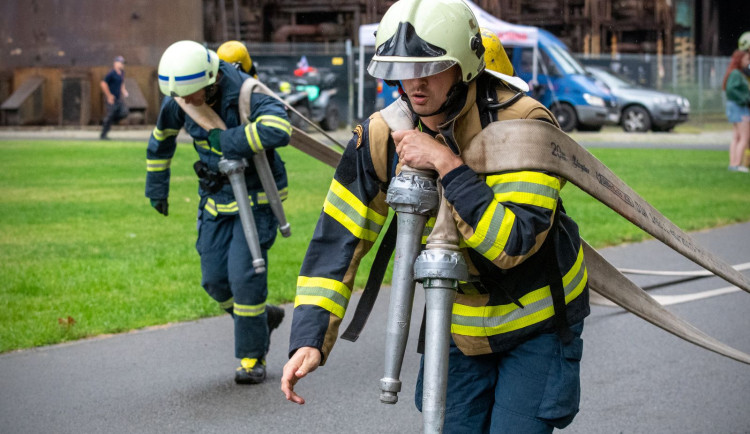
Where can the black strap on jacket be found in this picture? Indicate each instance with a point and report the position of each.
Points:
(372, 288)
(554, 277)
(379, 264)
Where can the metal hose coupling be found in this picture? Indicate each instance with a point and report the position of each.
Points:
(414, 196)
(439, 268)
(235, 171)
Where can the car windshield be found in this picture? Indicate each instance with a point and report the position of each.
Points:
(567, 63)
(612, 79)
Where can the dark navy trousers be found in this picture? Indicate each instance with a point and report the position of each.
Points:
(229, 278)
(531, 389)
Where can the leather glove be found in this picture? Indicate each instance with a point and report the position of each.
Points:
(161, 205)
(214, 139)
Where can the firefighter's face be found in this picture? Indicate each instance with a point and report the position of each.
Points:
(196, 98)
(427, 94)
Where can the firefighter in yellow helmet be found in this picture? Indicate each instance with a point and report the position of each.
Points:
(497, 61)
(235, 52)
(744, 42)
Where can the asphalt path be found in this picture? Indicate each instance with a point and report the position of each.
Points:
(179, 378)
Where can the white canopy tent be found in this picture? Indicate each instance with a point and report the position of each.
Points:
(509, 34)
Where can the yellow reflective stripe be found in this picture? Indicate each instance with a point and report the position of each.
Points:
(263, 199)
(225, 208)
(275, 122)
(158, 165)
(253, 139)
(529, 177)
(493, 320)
(529, 188)
(344, 207)
(578, 275)
(492, 231)
(203, 144)
(227, 304)
(249, 310)
(211, 207)
(329, 294)
(160, 135)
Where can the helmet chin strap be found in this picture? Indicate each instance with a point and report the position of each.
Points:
(212, 91)
(454, 100)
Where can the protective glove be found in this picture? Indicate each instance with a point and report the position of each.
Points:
(161, 205)
(214, 139)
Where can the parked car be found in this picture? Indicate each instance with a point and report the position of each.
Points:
(562, 84)
(643, 108)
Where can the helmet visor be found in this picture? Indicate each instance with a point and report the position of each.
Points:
(387, 69)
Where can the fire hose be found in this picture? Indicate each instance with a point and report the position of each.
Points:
(535, 145)
(235, 172)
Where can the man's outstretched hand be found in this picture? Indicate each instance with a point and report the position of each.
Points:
(304, 361)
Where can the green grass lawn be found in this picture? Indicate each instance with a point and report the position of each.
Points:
(82, 252)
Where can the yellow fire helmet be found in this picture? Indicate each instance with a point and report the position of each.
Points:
(744, 42)
(497, 60)
(235, 52)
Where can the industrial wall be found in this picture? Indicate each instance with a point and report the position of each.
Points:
(64, 38)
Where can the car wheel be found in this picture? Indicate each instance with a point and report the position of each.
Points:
(566, 116)
(636, 119)
(331, 121)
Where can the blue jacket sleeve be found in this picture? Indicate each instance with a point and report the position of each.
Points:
(161, 149)
(269, 128)
(353, 215)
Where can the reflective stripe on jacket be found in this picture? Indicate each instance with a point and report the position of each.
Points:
(268, 129)
(504, 219)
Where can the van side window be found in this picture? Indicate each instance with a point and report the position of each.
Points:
(527, 60)
(548, 66)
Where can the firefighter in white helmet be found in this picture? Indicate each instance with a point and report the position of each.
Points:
(516, 347)
(190, 71)
(235, 52)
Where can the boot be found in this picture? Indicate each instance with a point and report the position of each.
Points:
(251, 371)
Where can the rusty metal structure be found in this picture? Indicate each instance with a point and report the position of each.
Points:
(596, 26)
(289, 20)
(71, 44)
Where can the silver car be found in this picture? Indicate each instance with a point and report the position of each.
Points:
(643, 109)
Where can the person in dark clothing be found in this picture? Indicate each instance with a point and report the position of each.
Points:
(194, 75)
(113, 87)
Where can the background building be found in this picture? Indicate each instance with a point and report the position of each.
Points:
(68, 46)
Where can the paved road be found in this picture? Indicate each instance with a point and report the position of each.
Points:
(178, 378)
